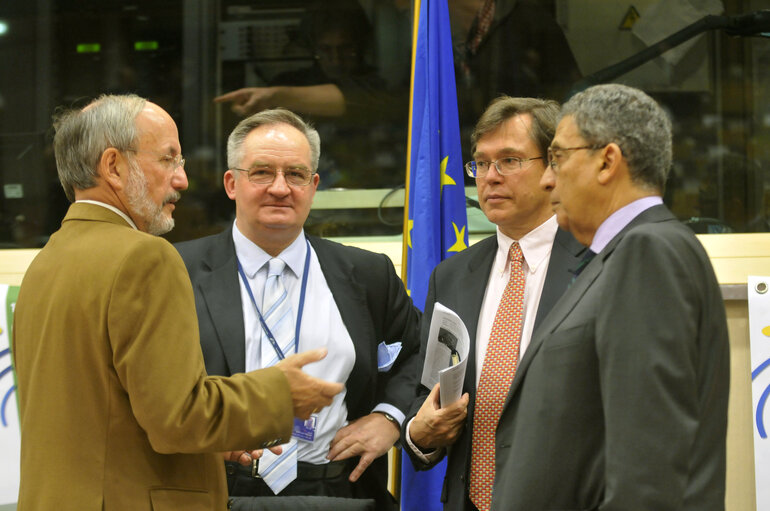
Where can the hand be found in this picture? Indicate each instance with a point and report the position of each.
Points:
(369, 437)
(435, 427)
(249, 100)
(308, 394)
(246, 457)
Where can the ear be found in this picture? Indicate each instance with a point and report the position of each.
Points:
(229, 182)
(612, 163)
(113, 168)
(315, 181)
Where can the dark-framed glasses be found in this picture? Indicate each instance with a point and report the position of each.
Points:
(265, 175)
(504, 166)
(170, 161)
(556, 153)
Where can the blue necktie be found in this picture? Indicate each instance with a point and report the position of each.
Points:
(590, 254)
(277, 470)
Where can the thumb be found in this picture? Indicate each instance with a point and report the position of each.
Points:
(434, 396)
(310, 356)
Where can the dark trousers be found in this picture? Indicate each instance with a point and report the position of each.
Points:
(241, 482)
(317, 480)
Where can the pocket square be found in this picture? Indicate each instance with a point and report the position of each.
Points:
(386, 355)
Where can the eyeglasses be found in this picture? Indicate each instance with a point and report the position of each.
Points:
(264, 175)
(556, 153)
(504, 166)
(169, 161)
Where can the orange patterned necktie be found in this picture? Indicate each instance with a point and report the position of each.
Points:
(500, 364)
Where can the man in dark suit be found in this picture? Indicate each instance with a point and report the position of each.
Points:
(509, 150)
(345, 299)
(621, 399)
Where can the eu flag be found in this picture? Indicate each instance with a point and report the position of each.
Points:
(436, 223)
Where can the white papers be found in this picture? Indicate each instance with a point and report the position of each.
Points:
(447, 354)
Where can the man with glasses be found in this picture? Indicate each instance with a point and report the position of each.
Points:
(623, 402)
(111, 382)
(342, 298)
(501, 287)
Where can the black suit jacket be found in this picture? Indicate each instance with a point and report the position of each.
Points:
(460, 283)
(369, 295)
(620, 401)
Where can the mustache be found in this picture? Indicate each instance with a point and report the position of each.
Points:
(172, 197)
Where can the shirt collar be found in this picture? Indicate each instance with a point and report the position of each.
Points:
(615, 223)
(111, 208)
(252, 257)
(535, 245)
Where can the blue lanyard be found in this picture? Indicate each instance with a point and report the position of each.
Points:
(303, 288)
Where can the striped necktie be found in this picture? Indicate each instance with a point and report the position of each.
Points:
(277, 470)
(500, 362)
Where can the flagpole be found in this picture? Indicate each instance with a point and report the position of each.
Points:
(405, 234)
(395, 467)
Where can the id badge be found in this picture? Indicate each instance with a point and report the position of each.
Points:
(304, 430)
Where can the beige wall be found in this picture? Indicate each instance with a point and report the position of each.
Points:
(734, 256)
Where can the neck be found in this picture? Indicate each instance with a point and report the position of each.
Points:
(100, 194)
(518, 230)
(630, 195)
(615, 202)
(272, 241)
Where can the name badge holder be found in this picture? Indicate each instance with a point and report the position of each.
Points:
(303, 429)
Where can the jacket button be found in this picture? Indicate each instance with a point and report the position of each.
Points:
(230, 469)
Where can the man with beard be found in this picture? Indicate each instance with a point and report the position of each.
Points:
(112, 387)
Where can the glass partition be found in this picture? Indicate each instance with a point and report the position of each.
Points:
(345, 65)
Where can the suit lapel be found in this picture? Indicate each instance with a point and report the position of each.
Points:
(218, 287)
(565, 257)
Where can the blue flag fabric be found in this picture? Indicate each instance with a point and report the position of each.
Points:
(437, 222)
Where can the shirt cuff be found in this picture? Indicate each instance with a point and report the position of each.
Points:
(392, 411)
(426, 457)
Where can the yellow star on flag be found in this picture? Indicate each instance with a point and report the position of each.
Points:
(409, 225)
(446, 179)
(459, 245)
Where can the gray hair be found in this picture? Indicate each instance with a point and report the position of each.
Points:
(82, 136)
(267, 118)
(631, 119)
(544, 115)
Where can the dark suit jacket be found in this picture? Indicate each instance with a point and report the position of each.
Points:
(620, 402)
(460, 283)
(372, 302)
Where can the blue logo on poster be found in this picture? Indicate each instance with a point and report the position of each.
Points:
(762, 400)
(6, 375)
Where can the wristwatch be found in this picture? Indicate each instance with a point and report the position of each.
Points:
(389, 417)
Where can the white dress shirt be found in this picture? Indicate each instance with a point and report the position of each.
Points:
(536, 247)
(321, 326)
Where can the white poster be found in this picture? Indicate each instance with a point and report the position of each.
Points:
(9, 414)
(759, 336)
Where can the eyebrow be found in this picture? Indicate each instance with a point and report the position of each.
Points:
(290, 166)
(506, 152)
